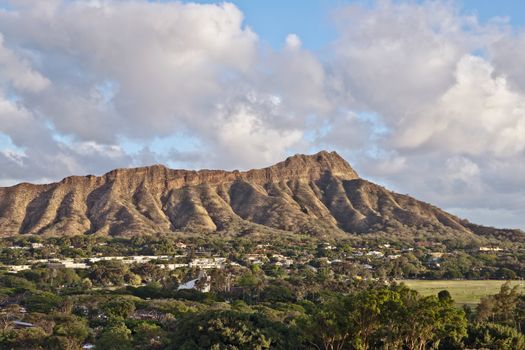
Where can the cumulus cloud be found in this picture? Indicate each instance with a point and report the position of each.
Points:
(478, 114)
(450, 113)
(144, 68)
(99, 71)
(419, 96)
(244, 134)
(18, 73)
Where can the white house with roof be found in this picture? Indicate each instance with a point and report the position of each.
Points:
(204, 285)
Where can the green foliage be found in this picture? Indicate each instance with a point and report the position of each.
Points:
(149, 336)
(118, 308)
(70, 333)
(232, 330)
(29, 338)
(151, 290)
(506, 307)
(43, 302)
(376, 317)
(495, 337)
(109, 273)
(277, 293)
(17, 283)
(115, 337)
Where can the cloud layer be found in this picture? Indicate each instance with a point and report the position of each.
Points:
(420, 97)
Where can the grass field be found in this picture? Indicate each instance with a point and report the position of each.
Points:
(463, 292)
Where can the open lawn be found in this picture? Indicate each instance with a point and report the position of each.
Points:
(463, 291)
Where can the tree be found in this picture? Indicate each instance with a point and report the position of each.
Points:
(115, 337)
(444, 296)
(428, 321)
(150, 272)
(86, 284)
(506, 274)
(149, 336)
(365, 310)
(133, 279)
(327, 325)
(502, 307)
(251, 284)
(278, 291)
(29, 338)
(17, 283)
(495, 337)
(232, 330)
(108, 272)
(43, 302)
(383, 317)
(118, 308)
(69, 334)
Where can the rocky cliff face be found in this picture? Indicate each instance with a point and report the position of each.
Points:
(317, 194)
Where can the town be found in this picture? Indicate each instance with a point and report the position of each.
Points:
(89, 290)
(354, 259)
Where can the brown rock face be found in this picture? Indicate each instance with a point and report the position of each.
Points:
(317, 194)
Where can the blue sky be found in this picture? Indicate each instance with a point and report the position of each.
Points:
(273, 20)
(425, 97)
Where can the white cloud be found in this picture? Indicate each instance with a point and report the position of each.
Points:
(454, 119)
(478, 114)
(18, 72)
(293, 42)
(170, 62)
(418, 95)
(246, 139)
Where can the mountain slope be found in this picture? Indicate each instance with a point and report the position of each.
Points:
(318, 194)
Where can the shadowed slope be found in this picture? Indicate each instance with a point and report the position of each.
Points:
(317, 194)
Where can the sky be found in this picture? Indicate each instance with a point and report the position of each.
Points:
(424, 97)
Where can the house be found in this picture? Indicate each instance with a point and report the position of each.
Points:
(490, 249)
(311, 268)
(201, 283)
(71, 264)
(173, 266)
(207, 263)
(143, 314)
(256, 259)
(375, 253)
(9, 307)
(328, 246)
(281, 260)
(21, 324)
(17, 268)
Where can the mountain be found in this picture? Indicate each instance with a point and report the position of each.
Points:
(318, 194)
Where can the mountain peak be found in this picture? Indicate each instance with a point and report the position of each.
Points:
(316, 165)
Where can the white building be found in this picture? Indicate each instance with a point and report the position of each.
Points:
(202, 283)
